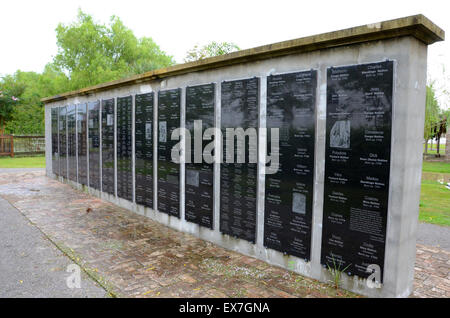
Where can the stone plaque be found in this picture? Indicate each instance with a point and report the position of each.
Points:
(291, 100)
(72, 143)
(62, 123)
(55, 141)
(82, 143)
(94, 144)
(357, 162)
(238, 181)
(199, 197)
(124, 148)
(108, 146)
(144, 149)
(168, 171)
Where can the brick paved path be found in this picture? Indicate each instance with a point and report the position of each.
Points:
(134, 256)
(432, 275)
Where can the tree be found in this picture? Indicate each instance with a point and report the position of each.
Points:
(440, 129)
(9, 92)
(90, 53)
(27, 113)
(431, 115)
(210, 50)
(27, 117)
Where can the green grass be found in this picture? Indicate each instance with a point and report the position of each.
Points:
(434, 150)
(23, 162)
(434, 203)
(434, 196)
(437, 167)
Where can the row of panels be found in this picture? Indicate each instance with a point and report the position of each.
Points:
(357, 159)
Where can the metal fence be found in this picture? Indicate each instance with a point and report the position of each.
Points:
(6, 145)
(29, 145)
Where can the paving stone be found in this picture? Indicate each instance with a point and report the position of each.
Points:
(138, 257)
(187, 278)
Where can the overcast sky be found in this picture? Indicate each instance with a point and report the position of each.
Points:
(28, 41)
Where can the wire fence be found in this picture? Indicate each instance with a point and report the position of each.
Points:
(29, 145)
(11, 145)
(6, 145)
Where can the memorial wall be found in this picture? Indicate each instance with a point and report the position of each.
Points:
(340, 125)
(357, 159)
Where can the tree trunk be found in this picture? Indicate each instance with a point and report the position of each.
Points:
(438, 143)
(447, 146)
(426, 146)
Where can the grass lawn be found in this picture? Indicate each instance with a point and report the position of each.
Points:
(24, 162)
(434, 150)
(434, 196)
(434, 203)
(438, 167)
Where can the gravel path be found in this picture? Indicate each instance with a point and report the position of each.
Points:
(30, 265)
(434, 235)
(14, 170)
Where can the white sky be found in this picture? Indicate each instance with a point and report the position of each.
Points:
(28, 39)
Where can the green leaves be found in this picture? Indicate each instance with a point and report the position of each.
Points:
(25, 114)
(10, 91)
(92, 53)
(431, 112)
(210, 50)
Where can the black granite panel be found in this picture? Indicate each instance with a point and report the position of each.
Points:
(72, 143)
(108, 146)
(144, 149)
(94, 144)
(291, 100)
(55, 142)
(63, 141)
(124, 148)
(357, 162)
(199, 176)
(82, 143)
(168, 171)
(238, 181)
